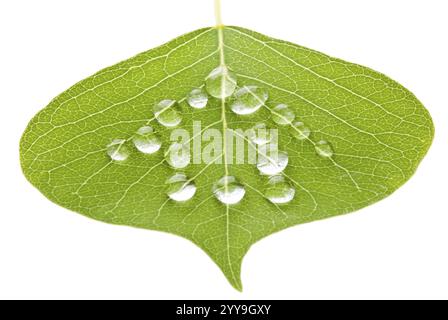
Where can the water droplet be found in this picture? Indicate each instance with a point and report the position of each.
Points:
(221, 82)
(178, 155)
(283, 115)
(279, 191)
(228, 190)
(273, 162)
(180, 188)
(259, 134)
(300, 131)
(249, 99)
(197, 99)
(117, 150)
(324, 149)
(146, 141)
(166, 113)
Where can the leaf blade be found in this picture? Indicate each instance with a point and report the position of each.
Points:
(380, 132)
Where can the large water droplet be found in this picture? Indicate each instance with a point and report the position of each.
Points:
(178, 155)
(228, 190)
(166, 113)
(180, 188)
(197, 99)
(259, 134)
(324, 149)
(221, 82)
(146, 141)
(283, 115)
(300, 131)
(117, 150)
(279, 191)
(272, 163)
(249, 99)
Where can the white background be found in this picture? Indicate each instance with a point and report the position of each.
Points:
(394, 249)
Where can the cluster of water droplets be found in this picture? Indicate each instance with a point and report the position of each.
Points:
(222, 84)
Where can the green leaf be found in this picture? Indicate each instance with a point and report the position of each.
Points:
(378, 133)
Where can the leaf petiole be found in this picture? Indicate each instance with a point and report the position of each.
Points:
(218, 14)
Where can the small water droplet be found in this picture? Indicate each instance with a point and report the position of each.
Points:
(273, 162)
(249, 99)
(259, 134)
(300, 131)
(178, 155)
(324, 149)
(146, 141)
(279, 191)
(180, 188)
(117, 150)
(221, 82)
(166, 113)
(228, 190)
(197, 99)
(283, 115)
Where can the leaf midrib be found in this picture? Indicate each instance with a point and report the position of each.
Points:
(222, 61)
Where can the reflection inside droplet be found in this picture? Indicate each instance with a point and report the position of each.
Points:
(178, 155)
(180, 188)
(279, 191)
(221, 82)
(300, 131)
(324, 149)
(228, 190)
(271, 161)
(197, 99)
(259, 134)
(117, 150)
(146, 141)
(249, 99)
(166, 113)
(283, 115)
